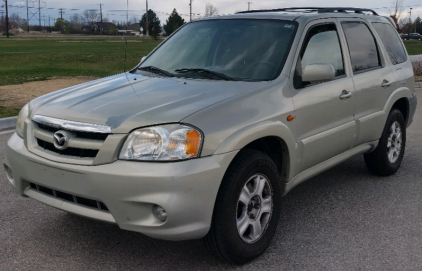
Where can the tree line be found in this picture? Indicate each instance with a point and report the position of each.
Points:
(91, 22)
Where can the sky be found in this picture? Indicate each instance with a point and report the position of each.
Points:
(116, 9)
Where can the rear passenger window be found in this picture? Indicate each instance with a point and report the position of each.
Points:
(391, 42)
(362, 47)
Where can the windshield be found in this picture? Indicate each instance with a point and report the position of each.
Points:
(251, 50)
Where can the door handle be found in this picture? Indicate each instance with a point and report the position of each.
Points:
(345, 95)
(385, 83)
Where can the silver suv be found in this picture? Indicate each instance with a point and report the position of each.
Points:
(204, 137)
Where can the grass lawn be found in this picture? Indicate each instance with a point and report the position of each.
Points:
(33, 59)
(413, 47)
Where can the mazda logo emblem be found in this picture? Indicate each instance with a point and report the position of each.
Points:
(61, 140)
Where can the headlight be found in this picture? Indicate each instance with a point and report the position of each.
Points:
(23, 114)
(162, 143)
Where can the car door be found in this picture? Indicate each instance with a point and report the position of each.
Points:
(324, 111)
(373, 78)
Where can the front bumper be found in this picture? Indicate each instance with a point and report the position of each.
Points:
(413, 104)
(186, 190)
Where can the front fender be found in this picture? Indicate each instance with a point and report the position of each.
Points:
(243, 137)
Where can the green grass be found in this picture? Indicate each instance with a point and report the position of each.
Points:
(414, 47)
(34, 59)
(7, 112)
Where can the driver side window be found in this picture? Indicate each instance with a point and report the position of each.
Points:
(321, 46)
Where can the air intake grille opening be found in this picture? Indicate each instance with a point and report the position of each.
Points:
(82, 153)
(95, 204)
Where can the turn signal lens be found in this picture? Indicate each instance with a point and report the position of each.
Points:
(193, 142)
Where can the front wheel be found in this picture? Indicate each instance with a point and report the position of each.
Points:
(247, 209)
(387, 157)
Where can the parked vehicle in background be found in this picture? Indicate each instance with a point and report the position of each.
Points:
(412, 36)
(208, 133)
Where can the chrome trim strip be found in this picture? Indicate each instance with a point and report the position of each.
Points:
(72, 125)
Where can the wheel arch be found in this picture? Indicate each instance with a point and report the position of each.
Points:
(271, 137)
(399, 99)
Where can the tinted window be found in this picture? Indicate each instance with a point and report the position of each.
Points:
(391, 42)
(322, 46)
(362, 46)
(252, 50)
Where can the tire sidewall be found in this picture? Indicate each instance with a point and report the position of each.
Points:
(395, 115)
(228, 219)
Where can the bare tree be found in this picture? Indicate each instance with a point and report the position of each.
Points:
(210, 10)
(76, 22)
(396, 11)
(91, 16)
(16, 21)
(134, 20)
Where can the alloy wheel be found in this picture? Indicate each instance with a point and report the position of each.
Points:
(254, 208)
(395, 142)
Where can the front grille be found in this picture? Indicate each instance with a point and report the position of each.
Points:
(95, 204)
(82, 153)
(86, 135)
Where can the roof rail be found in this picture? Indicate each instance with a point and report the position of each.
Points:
(314, 9)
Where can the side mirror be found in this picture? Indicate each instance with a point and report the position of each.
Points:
(318, 73)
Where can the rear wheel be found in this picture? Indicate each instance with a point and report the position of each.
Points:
(247, 209)
(387, 157)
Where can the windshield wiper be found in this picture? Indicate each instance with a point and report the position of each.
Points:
(156, 70)
(206, 72)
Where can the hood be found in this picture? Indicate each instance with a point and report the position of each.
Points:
(128, 101)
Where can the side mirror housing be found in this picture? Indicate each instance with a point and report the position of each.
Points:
(318, 73)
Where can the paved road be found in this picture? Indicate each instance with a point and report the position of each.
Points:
(343, 219)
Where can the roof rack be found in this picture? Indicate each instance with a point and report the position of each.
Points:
(314, 9)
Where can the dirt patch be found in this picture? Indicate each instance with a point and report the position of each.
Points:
(16, 96)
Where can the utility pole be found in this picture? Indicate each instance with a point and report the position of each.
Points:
(2, 16)
(410, 22)
(190, 13)
(27, 15)
(61, 19)
(7, 20)
(249, 5)
(146, 25)
(101, 14)
(39, 13)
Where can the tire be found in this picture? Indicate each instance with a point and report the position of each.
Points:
(224, 240)
(380, 162)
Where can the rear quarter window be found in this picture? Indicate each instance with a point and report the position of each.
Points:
(391, 42)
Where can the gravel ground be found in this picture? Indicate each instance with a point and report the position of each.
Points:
(342, 219)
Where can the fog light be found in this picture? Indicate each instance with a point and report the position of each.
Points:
(159, 213)
(8, 172)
